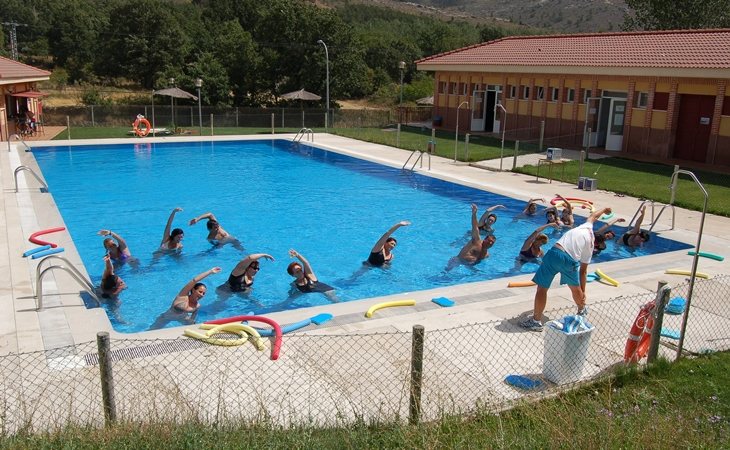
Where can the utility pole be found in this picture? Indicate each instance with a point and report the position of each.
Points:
(14, 37)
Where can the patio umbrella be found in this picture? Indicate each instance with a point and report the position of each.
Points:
(301, 94)
(173, 93)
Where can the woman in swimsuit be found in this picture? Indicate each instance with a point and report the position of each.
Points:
(241, 277)
(187, 300)
(531, 208)
(216, 234)
(115, 246)
(636, 236)
(172, 240)
(111, 284)
(488, 219)
(566, 215)
(531, 249)
(382, 250)
(304, 278)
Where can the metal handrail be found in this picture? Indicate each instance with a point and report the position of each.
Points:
(19, 169)
(419, 158)
(654, 222)
(71, 270)
(18, 138)
(302, 133)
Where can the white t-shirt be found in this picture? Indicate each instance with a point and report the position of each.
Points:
(578, 242)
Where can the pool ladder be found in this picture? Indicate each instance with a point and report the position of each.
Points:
(44, 187)
(304, 133)
(418, 158)
(654, 218)
(18, 138)
(70, 269)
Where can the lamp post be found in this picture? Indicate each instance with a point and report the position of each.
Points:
(456, 135)
(327, 67)
(504, 127)
(199, 84)
(172, 104)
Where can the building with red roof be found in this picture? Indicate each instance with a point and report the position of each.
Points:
(18, 85)
(662, 94)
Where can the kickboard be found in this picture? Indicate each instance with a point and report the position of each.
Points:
(669, 333)
(522, 382)
(443, 301)
(675, 306)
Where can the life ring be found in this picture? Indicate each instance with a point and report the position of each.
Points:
(276, 348)
(606, 278)
(141, 132)
(637, 344)
(513, 284)
(686, 272)
(388, 305)
(34, 237)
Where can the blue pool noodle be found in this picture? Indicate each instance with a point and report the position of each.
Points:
(50, 251)
(36, 250)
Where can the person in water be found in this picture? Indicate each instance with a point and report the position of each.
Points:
(304, 278)
(532, 247)
(172, 240)
(476, 249)
(531, 208)
(115, 246)
(216, 234)
(382, 251)
(242, 276)
(566, 215)
(111, 284)
(488, 219)
(607, 233)
(188, 299)
(636, 236)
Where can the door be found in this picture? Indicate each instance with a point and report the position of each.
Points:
(615, 128)
(478, 110)
(693, 127)
(490, 105)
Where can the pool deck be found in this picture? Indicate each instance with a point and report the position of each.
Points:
(64, 320)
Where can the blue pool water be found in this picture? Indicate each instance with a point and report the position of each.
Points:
(272, 196)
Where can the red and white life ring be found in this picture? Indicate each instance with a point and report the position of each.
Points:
(637, 345)
(141, 132)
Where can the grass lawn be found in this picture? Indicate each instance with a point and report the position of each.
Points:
(682, 405)
(637, 179)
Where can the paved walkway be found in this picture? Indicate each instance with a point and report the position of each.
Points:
(64, 320)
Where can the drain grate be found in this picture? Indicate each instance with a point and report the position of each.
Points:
(160, 348)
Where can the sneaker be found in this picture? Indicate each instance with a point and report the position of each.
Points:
(583, 312)
(531, 324)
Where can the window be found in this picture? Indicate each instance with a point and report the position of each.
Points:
(641, 99)
(726, 106)
(464, 88)
(570, 95)
(476, 87)
(661, 101)
(540, 93)
(452, 88)
(555, 94)
(588, 94)
(512, 91)
(526, 92)
(442, 87)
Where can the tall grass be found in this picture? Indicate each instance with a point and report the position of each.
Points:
(682, 405)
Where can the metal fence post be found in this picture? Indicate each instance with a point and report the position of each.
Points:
(93, 122)
(416, 373)
(662, 298)
(272, 123)
(580, 163)
(107, 377)
(211, 124)
(68, 127)
(236, 116)
(466, 144)
(517, 151)
(397, 137)
(542, 135)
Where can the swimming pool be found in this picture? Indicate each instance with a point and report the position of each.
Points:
(274, 196)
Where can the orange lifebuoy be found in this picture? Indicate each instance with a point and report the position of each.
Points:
(141, 132)
(637, 345)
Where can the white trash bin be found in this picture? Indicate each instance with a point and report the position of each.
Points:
(565, 353)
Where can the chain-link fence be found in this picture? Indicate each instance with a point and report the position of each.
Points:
(327, 380)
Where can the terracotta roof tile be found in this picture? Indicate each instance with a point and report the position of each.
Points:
(696, 49)
(10, 69)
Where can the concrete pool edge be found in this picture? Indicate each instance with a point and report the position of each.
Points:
(84, 323)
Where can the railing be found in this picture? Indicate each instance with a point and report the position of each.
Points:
(654, 218)
(44, 187)
(71, 270)
(17, 138)
(419, 158)
(304, 132)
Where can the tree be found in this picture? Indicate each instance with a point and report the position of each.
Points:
(674, 15)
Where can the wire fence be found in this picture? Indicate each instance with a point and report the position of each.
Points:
(329, 380)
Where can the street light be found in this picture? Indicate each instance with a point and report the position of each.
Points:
(199, 84)
(327, 66)
(172, 104)
(504, 127)
(456, 138)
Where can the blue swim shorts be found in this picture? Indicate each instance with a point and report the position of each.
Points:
(557, 261)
